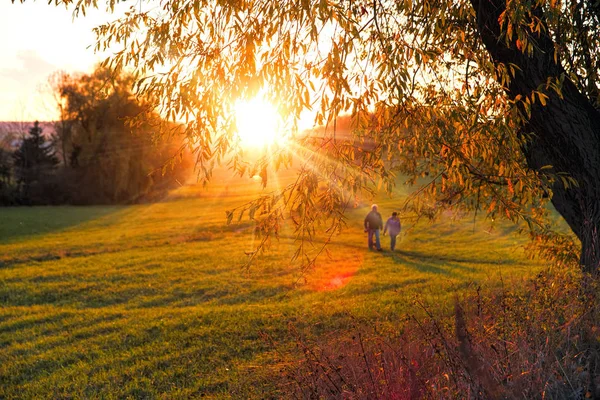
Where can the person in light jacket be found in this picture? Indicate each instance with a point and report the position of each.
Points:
(393, 226)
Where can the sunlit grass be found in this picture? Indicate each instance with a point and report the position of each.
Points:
(152, 300)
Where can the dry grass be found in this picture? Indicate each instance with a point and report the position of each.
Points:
(537, 342)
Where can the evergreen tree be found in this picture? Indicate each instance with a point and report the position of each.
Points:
(34, 160)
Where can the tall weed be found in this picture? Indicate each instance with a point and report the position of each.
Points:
(541, 341)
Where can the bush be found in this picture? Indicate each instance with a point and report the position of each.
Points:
(8, 195)
(539, 342)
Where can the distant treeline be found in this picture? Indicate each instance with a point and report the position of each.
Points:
(104, 150)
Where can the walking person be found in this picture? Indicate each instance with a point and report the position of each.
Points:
(373, 223)
(393, 227)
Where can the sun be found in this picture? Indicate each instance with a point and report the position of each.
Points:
(258, 123)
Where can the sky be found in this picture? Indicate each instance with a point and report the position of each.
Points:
(36, 40)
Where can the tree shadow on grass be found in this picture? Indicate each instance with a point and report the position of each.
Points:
(18, 223)
(433, 263)
(427, 262)
(400, 255)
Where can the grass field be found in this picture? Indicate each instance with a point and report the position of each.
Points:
(152, 301)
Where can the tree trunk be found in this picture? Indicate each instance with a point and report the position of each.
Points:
(566, 132)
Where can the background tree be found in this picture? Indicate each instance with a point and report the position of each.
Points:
(34, 161)
(63, 126)
(106, 159)
(6, 184)
(5, 167)
(6, 139)
(495, 102)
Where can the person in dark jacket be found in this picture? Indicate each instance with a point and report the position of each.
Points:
(393, 228)
(373, 223)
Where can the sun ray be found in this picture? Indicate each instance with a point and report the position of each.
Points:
(295, 148)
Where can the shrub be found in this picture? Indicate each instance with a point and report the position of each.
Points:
(542, 341)
(8, 195)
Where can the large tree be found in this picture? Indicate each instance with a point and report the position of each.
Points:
(107, 159)
(495, 102)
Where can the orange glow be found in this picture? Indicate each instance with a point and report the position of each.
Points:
(338, 272)
(338, 281)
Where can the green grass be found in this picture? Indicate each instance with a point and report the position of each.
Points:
(152, 301)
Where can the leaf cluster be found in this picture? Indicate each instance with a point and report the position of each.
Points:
(423, 98)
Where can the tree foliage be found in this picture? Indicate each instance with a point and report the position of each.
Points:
(106, 158)
(115, 161)
(458, 93)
